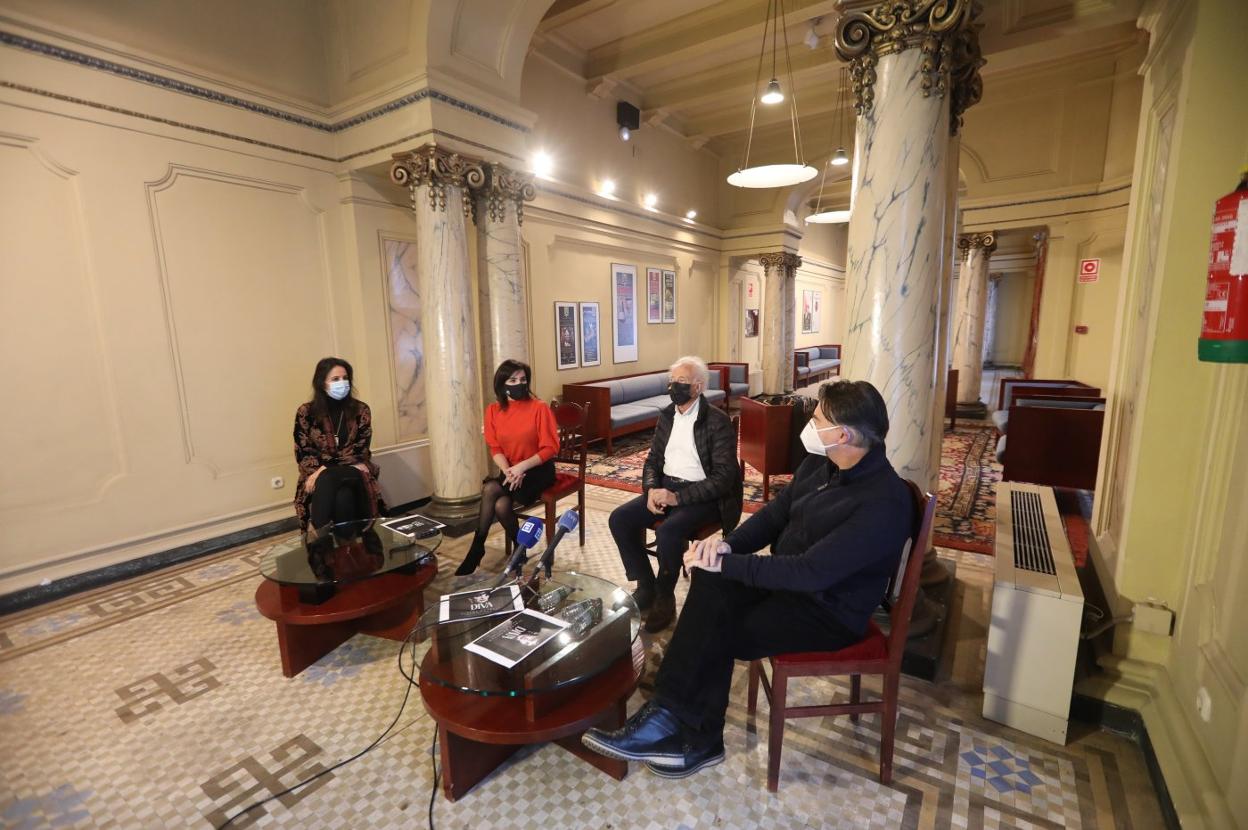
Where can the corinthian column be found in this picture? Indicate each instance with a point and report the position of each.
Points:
(968, 327)
(778, 276)
(990, 317)
(914, 66)
(438, 182)
(500, 274)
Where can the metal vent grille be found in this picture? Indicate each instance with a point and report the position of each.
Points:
(1032, 551)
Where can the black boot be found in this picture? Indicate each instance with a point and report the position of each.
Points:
(473, 558)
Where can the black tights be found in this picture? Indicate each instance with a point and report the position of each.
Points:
(496, 505)
(341, 495)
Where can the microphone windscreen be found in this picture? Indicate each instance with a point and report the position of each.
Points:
(530, 533)
(569, 520)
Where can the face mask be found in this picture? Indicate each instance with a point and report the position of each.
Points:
(338, 389)
(811, 441)
(681, 393)
(518, 391)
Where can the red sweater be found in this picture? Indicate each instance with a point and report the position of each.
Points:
(525, 428)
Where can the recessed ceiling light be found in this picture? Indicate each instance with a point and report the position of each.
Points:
(650, 200)
(543, 164)
(691, 215)
(607, 188)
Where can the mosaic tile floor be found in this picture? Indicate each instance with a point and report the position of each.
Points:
(160, 703)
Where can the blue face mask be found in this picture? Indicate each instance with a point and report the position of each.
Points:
(339, 389)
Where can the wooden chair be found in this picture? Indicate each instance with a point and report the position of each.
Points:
(573, 447)
(877, 653)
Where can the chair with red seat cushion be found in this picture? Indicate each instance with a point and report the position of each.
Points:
(570, 418)
(876, 653)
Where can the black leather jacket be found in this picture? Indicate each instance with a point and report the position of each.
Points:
(716, 442)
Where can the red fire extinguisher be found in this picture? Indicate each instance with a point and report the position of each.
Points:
(1224, 332)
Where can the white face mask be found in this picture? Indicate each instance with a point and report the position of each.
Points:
(812, 442)
(339, 389)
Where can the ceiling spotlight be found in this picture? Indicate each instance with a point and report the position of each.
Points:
(691, 215)
(607, 188)
(628, 117)
(650, 201)
(625, 133)
(773, 95)
(840, 157)
(812, 37)
(543, 164)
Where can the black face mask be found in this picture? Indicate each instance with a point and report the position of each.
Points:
(518, 391)
(681, 393)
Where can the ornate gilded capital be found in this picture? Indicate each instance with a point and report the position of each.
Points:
(438, 169)
(946, 32)
(987, 241)
(505, 185)
(780, 259)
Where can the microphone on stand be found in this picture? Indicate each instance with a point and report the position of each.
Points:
(567, 522)
(529, 535)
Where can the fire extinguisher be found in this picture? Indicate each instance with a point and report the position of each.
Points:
(1224, 332)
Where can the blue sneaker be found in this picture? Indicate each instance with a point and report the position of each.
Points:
(696, 758)
(652, 734)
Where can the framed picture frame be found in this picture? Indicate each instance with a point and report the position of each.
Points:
(810, 312)
(654, 293)
(591, 343)
(751, 322)
(567, 355)
(624, 312)
(669, 296)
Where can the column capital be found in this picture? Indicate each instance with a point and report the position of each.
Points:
(780, 259)
(946, 32)
(503, 185)
(437, 168)
(987, 241)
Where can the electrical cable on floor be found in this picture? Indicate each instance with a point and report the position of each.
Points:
(411, 681)
(433, 760)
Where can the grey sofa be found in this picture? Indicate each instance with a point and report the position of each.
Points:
(815, 363)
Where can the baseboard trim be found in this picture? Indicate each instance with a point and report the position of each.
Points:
(1184, 780)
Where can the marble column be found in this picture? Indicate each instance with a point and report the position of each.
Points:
(990, 317)
(944, 305)
(438, 181)
(914, 68)
(502, 297)
(968, 325)
(777, 351)
(790, 323)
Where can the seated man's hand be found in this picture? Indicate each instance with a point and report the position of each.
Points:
(707, 555)
(654, 501)
(669, 498)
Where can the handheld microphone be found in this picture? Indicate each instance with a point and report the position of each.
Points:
(529, 535)
(567, 522)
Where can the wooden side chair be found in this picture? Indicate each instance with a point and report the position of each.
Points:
(877, 653)
(571, 419)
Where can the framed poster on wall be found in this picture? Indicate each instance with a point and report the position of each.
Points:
(590, 355)
(669, 296)
(810, 312)
(624, 312)
(565, 336)
(751, 322)
(654, 291)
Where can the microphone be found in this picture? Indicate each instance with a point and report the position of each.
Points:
(568, 521)
(529, 535)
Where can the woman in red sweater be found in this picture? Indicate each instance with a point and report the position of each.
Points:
(522, 438)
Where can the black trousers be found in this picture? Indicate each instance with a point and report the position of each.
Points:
(629, 523)
(724, 621)
(341, 495)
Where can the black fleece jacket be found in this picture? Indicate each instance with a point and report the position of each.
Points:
(836, 534)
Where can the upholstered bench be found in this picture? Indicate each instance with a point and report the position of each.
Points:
(1012, 387)
(631, 403)
(1054, 440)
(815, 363)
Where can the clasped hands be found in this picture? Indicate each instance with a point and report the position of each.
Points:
(512, 476)
(659, 499)
(707, 554)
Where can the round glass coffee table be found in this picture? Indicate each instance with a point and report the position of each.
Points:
(524, 663)
(348, 578)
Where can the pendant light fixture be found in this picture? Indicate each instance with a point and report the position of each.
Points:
(839, 157)
(774, 175)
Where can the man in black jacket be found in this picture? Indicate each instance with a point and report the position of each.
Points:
(691, 479)
(836, 536)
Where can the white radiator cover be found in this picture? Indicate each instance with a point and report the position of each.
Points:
(1033, 635)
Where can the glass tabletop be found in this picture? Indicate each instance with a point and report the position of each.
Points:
(524, 636)
(349, 551)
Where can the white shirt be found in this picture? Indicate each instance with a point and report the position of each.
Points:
(680, 459)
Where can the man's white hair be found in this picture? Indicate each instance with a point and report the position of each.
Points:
(697, 364)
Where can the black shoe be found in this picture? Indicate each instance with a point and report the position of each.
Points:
(475, 553)
(696, 758)
(662, 612)
(644, 596)
(652, 735)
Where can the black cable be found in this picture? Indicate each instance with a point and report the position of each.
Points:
(406, 694)
(433, 760)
